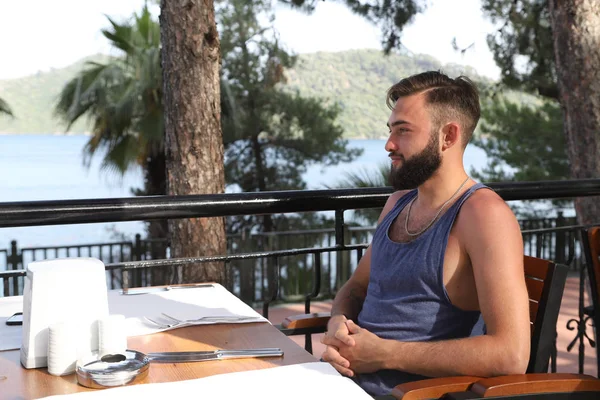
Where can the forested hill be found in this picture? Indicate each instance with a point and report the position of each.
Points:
(32, 100)
(357, 80)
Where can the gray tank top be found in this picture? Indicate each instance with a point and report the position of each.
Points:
(406, 298)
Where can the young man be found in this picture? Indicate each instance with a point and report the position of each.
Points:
(443, 255)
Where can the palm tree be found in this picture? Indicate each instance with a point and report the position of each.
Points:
(123, 99)
(4, 108)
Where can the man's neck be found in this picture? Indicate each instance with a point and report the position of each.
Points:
(441, 187)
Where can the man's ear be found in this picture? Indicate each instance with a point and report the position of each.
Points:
(451, 135)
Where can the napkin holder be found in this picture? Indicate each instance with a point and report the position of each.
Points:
(68, 289)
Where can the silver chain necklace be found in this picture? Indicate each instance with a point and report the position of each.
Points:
(436, 215)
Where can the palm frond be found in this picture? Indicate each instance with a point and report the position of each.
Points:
(122, 154)
(5, 108)
(119, 36)
(364, 178)
(82, 93)
(122, 97)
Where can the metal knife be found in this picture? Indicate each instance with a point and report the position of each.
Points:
(194, 356)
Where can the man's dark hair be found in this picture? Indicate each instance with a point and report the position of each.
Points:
(447, 98)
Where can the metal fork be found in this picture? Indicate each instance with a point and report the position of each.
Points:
(179, 323)
(232, 318)
(166, 326)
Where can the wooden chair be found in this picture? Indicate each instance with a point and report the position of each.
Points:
(545, 284)
(591, 247)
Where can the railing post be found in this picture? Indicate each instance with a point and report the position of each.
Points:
(12, 261)
(560, 252)
(271, 267)
(14, 258)
(346, 256)
(125, 278)
(247, 269)
(137, 248)
(342, 262)
(136, 274)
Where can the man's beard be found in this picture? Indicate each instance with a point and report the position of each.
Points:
(419, 168)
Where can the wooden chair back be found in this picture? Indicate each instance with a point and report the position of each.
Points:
(591, 248)
(545, 282)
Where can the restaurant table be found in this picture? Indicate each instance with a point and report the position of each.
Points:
(17, 382)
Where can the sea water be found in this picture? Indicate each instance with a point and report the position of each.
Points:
(50, 167)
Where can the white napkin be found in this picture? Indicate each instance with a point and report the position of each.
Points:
(182, 304)
(10, 335)
(317, 380)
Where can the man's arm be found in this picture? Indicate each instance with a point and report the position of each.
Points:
(348, 302)
(493, 242)
(349, 299)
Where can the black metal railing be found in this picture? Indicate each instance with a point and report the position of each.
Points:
(59, 212)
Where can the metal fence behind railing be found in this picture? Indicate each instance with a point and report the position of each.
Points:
(250, 278)
(109, 253)
(546, 238)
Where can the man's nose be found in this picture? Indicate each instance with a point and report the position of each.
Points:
(390, 146)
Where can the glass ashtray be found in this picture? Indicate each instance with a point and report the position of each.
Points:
(112, 369)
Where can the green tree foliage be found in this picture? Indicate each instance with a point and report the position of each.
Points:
(271, 135)
(522, 46)
(528, 139)
(522, 142)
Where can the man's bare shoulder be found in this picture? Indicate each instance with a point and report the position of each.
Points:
(486, 207)
(391, 202)
(394, 197)
(489, 229)
(397, 195)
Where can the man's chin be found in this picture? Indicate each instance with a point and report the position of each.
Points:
(405, 183)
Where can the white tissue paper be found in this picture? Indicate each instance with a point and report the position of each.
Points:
(68, 289)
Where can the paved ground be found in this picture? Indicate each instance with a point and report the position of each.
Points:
(566, 361)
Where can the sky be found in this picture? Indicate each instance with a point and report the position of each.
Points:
(41, 34)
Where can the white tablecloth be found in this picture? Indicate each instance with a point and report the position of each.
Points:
(10, 336)
(317, 380)
(178, 303)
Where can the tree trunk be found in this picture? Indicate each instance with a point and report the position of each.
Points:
(194, 142)
(576, 34)
(261, 179)
(156, 185)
